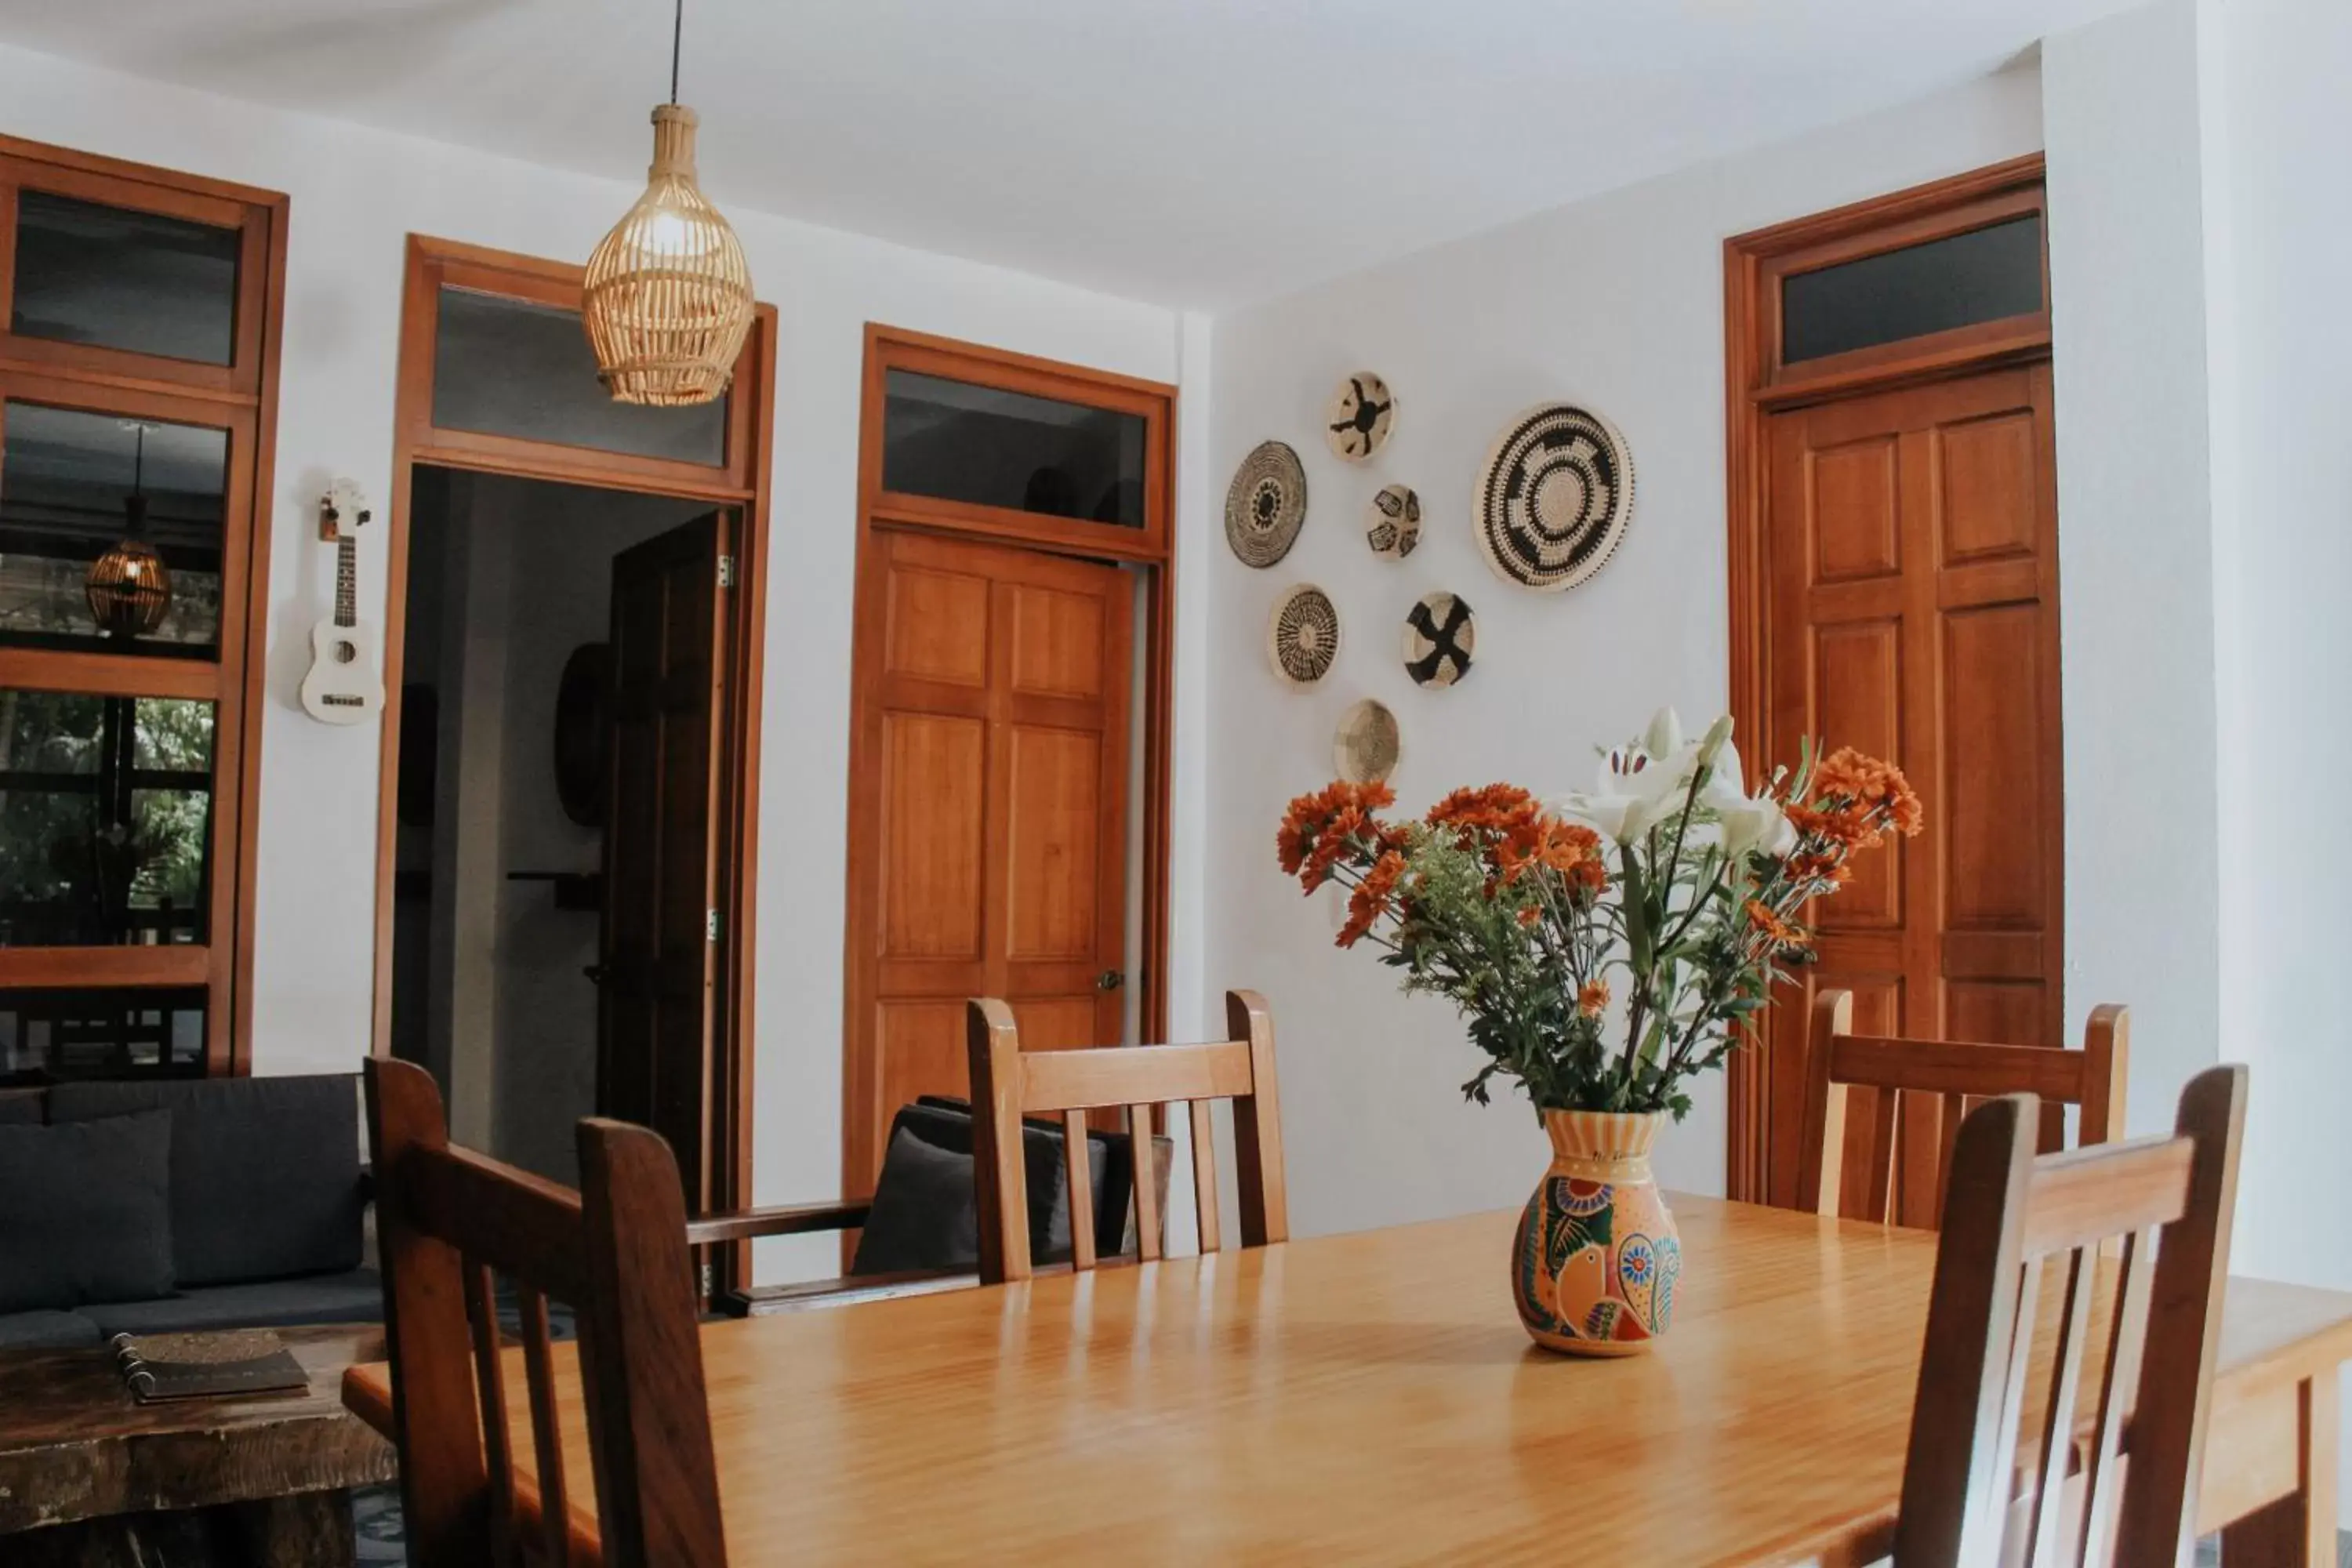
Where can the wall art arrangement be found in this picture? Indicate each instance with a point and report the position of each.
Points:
(1302, 636)
(1440, 635)
(1361, 415)
(1393, 526)
(1266, 504)
(1554, 498)
(1553, 501)
(1365, 747)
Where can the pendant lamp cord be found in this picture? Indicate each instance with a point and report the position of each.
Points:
(676, 39)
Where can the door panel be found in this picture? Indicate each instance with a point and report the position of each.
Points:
(987, 824)
(934, 792)
(656, 973)
(1912, 612)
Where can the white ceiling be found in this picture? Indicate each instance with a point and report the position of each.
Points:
(1188, 152)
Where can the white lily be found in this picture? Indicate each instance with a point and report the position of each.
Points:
(1644, 784)
(1640, 785)
(1756, 826)
(1751, 823)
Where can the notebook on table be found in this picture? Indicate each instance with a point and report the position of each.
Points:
(159, 1367)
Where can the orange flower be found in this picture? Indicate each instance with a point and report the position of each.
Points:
(1592, 998)
(1568, 847)
(1321, 829)
(1494, 807)
(1372, 897)
(1875, 787)
(1775, 930)
(1820, 866)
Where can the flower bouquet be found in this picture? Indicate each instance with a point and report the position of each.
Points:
(1602, 949)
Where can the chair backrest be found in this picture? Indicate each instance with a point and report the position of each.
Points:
(2134, 1333)
(1957, 1073)
(1008, 1083)
(615, 1251)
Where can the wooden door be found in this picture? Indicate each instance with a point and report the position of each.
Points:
(988, 814)
(657, 1014)
(1913, 613)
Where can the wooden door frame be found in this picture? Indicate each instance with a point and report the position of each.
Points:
(742, 481)
(1758, 384)
(1150, 548)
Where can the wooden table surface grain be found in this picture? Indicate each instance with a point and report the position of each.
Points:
(1371, 1398)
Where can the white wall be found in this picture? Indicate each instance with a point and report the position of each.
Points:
(2201, 231)
(356, 194)
(2279, 318)
(2135, 537)
(2281, 323)
(1616, 302)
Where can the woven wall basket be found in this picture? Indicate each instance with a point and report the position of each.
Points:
(668, 297)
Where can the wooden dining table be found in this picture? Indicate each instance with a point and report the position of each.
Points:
(1370, 1398)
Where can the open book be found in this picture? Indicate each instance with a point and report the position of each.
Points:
(206, 1366)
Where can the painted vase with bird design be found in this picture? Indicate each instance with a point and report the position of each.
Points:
(1596, 1260)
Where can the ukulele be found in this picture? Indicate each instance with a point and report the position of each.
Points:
(343, 686)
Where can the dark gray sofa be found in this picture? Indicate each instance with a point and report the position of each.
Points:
(268, 1204)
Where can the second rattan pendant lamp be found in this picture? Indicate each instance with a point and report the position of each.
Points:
(668, 297)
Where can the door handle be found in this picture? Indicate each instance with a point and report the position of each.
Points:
(597, 973)
(1109, 979)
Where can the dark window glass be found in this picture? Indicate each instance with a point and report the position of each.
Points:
(961, 442)
(1984, 275)
(68, 481)
(124, 280)
(105, 819)
(45, 1036)
(510, 367)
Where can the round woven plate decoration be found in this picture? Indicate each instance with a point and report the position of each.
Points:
(1302, 636)
(1440, 635)
(1393, 526)
(1266, 504)
(1360, 415)
(1365, 747)
(1554, 498)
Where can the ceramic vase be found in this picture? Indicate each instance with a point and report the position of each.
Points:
(1595, 1264)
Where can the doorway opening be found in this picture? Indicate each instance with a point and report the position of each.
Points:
(1893, 569)
(554, 523)
(519, 978)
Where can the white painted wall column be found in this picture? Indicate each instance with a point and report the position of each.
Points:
(2120, 114)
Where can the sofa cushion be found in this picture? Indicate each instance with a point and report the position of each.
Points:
(354, 1296)
(19, 1106)
(85, 1212)
(264, 1170)
(46, 1331)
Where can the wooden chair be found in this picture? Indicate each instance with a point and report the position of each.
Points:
(1958, 1073)
(2133, 1337)
(617, 1251)
(1008, 1083)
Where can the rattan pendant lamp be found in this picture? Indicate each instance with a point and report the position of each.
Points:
(668, 297)
(129, 589)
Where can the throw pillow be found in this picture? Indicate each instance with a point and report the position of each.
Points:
(925, 1215)
(86, 1212)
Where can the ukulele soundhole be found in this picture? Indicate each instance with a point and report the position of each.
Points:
(345, 653)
